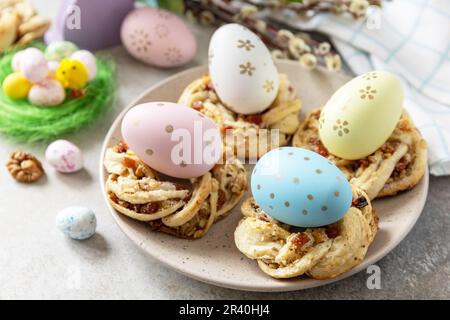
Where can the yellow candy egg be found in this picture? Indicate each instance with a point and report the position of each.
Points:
(15, 86)
(361, 115)
(72, 74)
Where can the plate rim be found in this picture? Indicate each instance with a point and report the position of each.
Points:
(285, 286)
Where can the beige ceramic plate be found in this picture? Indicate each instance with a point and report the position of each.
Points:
(214, 259)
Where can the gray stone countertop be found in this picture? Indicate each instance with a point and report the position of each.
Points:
(38, 262)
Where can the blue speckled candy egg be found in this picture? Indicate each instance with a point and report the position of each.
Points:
(79, 223)
(300, 188)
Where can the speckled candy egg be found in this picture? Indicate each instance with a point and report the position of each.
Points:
(64, 156)
(361, 115)
(33, 65)
(301, 188)
(78, 223)
(242, 70)
(89, 61)
(47, 93)
(56, 51)
(173, 139)
(158, 37)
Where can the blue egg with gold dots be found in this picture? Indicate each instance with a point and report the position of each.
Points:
(300, 188)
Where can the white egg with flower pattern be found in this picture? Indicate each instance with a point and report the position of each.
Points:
(242, 70)
(361, 115)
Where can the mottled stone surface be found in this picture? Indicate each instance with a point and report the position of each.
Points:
(37, 261)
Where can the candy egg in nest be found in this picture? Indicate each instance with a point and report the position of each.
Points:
(242, 70)
(32, 63)
(158, 37)
(300, 188)
(47, 93)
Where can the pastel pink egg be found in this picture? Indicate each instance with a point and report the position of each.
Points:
(158, 37)
(172, 139)
(47, 93)
(33, 65)
(64, 156)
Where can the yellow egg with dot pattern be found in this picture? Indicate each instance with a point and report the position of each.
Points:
(361, 115)
(72, 74)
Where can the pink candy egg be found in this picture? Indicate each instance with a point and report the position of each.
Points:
(89, 61)
(172, 139)
(64, 156)
(33, 65)
(158, 37)
(47, 93)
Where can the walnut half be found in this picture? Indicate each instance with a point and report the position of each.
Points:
(24, 167)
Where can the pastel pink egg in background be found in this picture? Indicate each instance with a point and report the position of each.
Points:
(158, 37)
(32, 63)
(47, 93)
(172, 139)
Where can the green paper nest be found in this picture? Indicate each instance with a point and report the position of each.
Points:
(22, 121)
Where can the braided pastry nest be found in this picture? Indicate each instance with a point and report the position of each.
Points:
(321, 253)
(244, 129)
(135, 190)
(397, 166)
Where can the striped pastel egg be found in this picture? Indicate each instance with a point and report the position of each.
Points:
(300, 188)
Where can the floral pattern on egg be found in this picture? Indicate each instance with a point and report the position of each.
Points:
(361, 115)
(368, 93)
(242, 70)
(157, 37)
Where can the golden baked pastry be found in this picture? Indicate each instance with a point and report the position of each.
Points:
(185, 211)
(19, 23)
(321, 253)
(397, 166)
(245, 129)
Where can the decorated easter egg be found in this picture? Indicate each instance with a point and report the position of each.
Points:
(158, 37)
(78, 223)
(89, 61)
(15, 86)
(64, 156)
(52, 67)
(33, 65)
(56, 51)
(72, 74)
(242, 70)
(15, 62)
(173, 139)
(361, 115)
(300, 188)
(47, 93)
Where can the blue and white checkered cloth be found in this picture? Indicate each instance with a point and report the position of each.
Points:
(410, 38)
